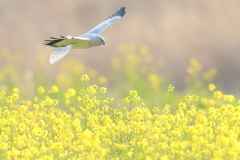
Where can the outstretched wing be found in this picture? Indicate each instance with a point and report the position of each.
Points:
(59, 52)
(64, 41)
(110, 20)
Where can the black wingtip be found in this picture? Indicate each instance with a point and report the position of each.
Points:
(121, 11)
(53, 40)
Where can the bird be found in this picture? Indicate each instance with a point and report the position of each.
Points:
(87, 40)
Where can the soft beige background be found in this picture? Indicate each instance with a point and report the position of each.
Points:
(173, 30)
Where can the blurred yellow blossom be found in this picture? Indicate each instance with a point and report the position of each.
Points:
(2, 95)
(194, 67)
(144, 49)
(15, 90)
(229, 98)
(71, 92)
(96, 129)
(218, 94)
(40, 89)
(154, 79)
(103, 90)
(133, 93)
(85, 78)
(54, 89)
(209, 75)
(83, 123)
(35, 99)
(102, 80)
(211, 87)
(191, 98)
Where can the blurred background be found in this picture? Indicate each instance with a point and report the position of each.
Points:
(173, 31)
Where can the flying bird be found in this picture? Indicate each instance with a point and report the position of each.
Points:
(90, 39)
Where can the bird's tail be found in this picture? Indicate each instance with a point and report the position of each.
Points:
(59, 52)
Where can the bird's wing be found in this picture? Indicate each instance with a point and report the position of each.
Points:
(64, 41)
(110, 20)
(63, 45)
(59, 52)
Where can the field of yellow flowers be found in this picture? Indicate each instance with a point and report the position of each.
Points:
(76, 117)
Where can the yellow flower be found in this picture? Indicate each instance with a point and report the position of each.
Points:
(188, 98)
(155, 110)
(154, 80)
(28, 103)
(102, 80)
(85, 78)
(165, 110)
(103, 90)
(4, 146)
(238, 102)
(229, 98)
(209, 75)
(67, 102)
(22, 109)
(40, 89)
(15, 96)
(133, 93)
(35, 106)
(126, 100)
(91, 90)
(71, 92)
(195, 66)
(182, 105)
(35, 99)
(15, 90)
(2, 95)
(218, 94)
(212, 87)
(130, 153)
(170, 88)
(195, 97)
(54, 89)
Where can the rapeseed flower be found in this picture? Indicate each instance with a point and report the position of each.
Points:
(218, 94)
(229, 98)
(170, 88)
(85, 78)
(211, 87)
(40, 89)
(71, 92)
(15, 90)
(102, 80)
(103, 90)
(83, 123)
(54, 89)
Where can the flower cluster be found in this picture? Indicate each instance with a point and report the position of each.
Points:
(95, 129)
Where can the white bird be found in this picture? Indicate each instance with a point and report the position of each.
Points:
(90, 39)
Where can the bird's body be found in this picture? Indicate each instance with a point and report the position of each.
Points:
(90, 39)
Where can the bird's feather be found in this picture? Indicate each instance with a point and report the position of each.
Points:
(59, 52)
(65, 41)
(110, 20)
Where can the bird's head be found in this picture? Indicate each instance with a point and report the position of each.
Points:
(97, 40)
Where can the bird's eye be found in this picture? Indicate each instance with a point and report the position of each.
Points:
(103, 42)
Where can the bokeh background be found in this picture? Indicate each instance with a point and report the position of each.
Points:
(174, 31)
